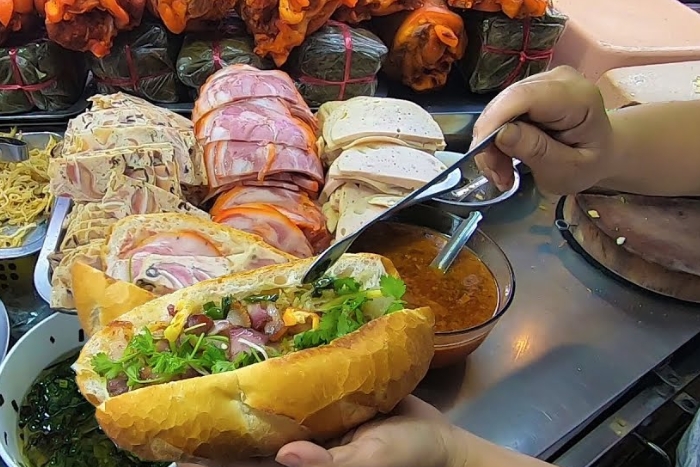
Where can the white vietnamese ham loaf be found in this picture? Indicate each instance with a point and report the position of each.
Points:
(364, 120)
(391, 169)
(365, 180)
(353, 205)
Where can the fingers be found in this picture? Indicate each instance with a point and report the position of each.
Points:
(558, 100)
(364, 452)
(557, 167)
(304, 454)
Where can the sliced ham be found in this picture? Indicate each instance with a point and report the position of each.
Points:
(259, 126)
(167, 274)
(275, 228)
(230, 162)
(240, 82)
(175, 244)
(295, 205)
(265, 105)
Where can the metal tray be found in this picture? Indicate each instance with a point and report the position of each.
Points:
(33, 241)
(42, 116)
(54, 234)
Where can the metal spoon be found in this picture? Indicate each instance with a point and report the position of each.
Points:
(329, 257)
(13, 150)
(451, 250)
(460, 193)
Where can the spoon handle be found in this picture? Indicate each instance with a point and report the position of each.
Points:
(451, 250)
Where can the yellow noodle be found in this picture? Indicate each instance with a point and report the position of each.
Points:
(24, 195)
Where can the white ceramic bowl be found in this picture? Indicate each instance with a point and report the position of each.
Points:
(41, 346)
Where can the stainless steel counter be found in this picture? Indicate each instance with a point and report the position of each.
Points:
(572, 342)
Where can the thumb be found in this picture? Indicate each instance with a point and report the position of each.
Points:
(363, 452)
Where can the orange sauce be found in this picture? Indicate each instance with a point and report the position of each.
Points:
(464, 297)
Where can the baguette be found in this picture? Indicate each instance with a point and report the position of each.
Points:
(312, 394)
(99, 299)
(197, 248)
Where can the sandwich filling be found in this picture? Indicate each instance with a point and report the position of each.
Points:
(229, 333)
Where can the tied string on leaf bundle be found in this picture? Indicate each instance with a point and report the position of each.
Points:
(20, 84)
(216, 55)
(524, 55)
(347, 79)
(130, 83)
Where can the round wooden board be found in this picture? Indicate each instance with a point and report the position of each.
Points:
(605, 251)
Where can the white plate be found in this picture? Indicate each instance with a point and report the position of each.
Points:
(4, 331)
(41, 346)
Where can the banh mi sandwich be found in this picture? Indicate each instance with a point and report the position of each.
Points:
(166, 252)
(236, 367)
(363, 120)
(99, 299)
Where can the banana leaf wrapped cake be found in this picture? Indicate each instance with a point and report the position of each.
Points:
(337, 63)
(503, 50)
(204, 54)
(142, 63)
(35, 76)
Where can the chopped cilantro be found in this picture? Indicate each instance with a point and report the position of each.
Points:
(346, 286)
(241, 360)
(203, 354)
(339, 301)
(392, 287)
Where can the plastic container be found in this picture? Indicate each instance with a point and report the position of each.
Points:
(36, 350)
(602, 35)
(453, 347)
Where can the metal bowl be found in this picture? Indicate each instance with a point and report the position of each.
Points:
(453, 347)
(481, 199)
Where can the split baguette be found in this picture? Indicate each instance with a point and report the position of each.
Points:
(316, 393)
(99, 299)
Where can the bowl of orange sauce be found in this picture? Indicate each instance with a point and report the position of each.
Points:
(468, 300)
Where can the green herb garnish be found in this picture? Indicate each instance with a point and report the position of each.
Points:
(215, 311)
(202, 354)
(262, 298)
(343, 305)
(343, 314)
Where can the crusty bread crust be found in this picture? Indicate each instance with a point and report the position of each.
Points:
(311, 394)
(99, 299)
